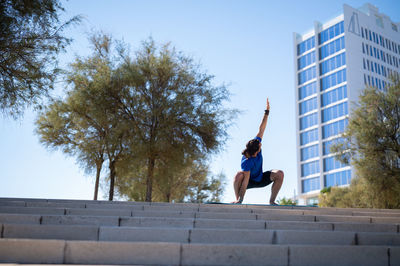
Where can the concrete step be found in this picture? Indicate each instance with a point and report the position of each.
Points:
(139, 253)
(194, 223)
(198, 235)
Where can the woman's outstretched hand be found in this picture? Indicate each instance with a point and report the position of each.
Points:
(267, 104)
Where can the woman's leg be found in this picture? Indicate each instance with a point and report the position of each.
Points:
(237, 183)
(277, 179)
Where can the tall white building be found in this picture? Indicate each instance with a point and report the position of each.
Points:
(333, 63)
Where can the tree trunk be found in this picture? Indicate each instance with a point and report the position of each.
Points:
(149, 181)
(112, 180)
(96, 186)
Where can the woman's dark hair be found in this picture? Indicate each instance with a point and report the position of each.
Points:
(251, 148)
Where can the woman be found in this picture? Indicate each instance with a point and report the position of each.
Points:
(252, 175)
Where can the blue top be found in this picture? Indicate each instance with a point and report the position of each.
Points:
(254, 165)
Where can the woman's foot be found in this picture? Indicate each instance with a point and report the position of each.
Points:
(273, 204)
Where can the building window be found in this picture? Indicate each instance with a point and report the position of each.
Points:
(307, 106)
(309, 152)
(306, 60)
(331, 163)
(362, 32)
(334, 95)
(338, 178)
(332, 63)
(326, 146)
(308, 121)
(310, 184)
(307, 90)
(307, 75)
(306, 45)
(334, 129)
(334, 112)
(331, 48)
(331, 32)
(333, 79)
(310, 168)
(309, 136)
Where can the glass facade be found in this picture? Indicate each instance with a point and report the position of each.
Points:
(337, 179)
(307, 90)
(333, 79)
(332, 63)
(307, 106)
(331, 48)
(326, 145)
(308, 121)
(333, 108)
(331, 163)
(334, 112)
(306, 60)
(307, 75)
(310, 184)
(310, 168)
(309, 152)
(334, 128)
(305, 45)
(334, 96)
(309, 136)
(331, 32)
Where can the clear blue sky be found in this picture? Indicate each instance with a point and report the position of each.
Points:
(247, 44)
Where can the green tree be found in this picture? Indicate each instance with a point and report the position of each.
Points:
(30, 40)
(88, 124)
(372, 141)
(59, 127)
(285, 201)
(174, 110)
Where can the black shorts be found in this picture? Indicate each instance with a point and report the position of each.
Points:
(265, 181)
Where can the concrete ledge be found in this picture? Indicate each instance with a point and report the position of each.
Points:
(55, 204)
(98, 212)
(224, 209)
(339, 218)
(107, 206)
(226, 215)
(288, 225)
(144, 234)
(171, 207)
(157, 222)
(377, 214)
(80, 220)
(385, 220)
(12, 203)
(285, 217)
(394, 254)
(50, 232)
(28, 251)
(365, 227)
(19, 218)
(279, 212)
(231, 236)
(202, 254)
(82, 252)
(171, 214)
(314, 238)
(32, 210)
(338, 255)
(231, 224)
(387, 239)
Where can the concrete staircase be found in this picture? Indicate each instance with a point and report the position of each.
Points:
(41, 231)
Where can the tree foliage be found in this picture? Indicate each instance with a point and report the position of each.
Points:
(372, 140)
(174, 110)
(30, 40)
(155, 118)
